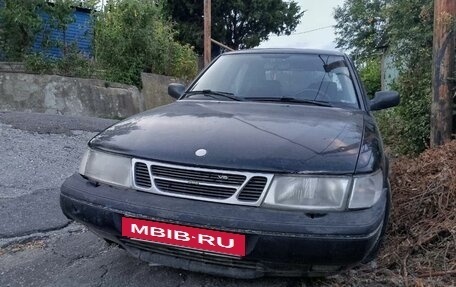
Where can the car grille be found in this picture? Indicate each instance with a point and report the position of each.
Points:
(193, 189)
(142, 177)
(253, 190)
(200, 176)
(204, 184)
(205, 257)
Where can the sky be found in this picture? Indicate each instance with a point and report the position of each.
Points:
(319, 13)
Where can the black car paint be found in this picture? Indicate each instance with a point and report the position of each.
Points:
(250, 136)
(278, 241)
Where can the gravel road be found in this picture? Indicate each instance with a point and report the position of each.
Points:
(38, 245)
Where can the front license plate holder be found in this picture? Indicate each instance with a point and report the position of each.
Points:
(201, 239)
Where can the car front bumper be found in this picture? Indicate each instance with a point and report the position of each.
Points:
(278, 242)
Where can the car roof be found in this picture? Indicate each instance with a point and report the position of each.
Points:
(287, 51)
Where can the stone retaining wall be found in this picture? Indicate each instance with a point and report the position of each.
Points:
(68, 96)
(155, 89)
(55, 94)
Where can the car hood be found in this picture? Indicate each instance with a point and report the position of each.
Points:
(251, 136)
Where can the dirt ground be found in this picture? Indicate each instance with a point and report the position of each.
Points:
(420, 247)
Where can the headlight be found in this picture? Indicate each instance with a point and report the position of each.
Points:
(106, 167)
(366, 190)
(308, 193)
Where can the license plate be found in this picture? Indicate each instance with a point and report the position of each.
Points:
(184, 236)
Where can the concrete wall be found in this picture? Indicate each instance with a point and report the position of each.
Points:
(82, 97)
(155, 89)
(68, 96)
(17, 67)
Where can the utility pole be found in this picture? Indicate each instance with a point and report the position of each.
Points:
(207, 32)
(443, 71)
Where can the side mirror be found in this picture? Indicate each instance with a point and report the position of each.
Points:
(384, 100)
(176, 90)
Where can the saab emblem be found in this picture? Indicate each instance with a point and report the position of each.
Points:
(201, 152)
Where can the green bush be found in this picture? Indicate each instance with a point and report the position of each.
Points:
(410, 34)
(131, 36)
(19, 24)
(406, 128)
(371, 75)
(73, 64)
(37, 63)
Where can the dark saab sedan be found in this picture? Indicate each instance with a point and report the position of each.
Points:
(269, 163)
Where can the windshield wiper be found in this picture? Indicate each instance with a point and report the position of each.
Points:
(210, 93)
(290, 100)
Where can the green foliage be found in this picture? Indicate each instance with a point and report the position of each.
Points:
(132, 37)
(405, 27)
(410, 35)
(238, 24)
(360, 27)
(37, 63)
(409, 31)
(60, 16)
(406, 128)
(61, 13)
(73, 64)
(19, 23)
(370, 73)
(88, 4)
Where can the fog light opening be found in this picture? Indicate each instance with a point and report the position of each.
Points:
(315, 215)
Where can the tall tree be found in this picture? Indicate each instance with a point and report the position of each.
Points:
(360, 26)
(443, 71)
(236, 23)
(405, 26)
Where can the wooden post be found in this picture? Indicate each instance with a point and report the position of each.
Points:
(222, 45)
(442, 71)
(207, 32)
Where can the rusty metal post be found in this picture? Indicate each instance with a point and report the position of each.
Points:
(442, 71)
(207, 32)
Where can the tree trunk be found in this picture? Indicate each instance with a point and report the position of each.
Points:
(442, 70)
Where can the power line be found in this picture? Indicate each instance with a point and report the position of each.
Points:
(313, 30)
(308, 31)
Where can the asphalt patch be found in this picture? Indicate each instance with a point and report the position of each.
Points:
(32, 213)
(53, 124)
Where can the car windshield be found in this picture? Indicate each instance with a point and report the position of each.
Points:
(297, 78)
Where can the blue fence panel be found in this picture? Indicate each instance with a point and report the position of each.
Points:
(80, 32)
